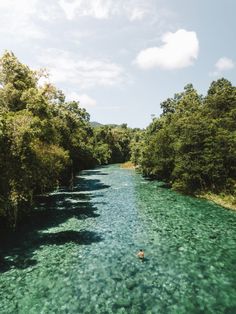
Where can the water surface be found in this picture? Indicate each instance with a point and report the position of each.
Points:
(79, 255)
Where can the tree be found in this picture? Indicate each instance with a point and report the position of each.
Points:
(43, 139)
(193, 144)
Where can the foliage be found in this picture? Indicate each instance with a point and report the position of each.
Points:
(112, 143)
(43, 139)
(192, 145)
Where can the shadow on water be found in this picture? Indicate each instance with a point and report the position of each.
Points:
(90, 184)
(50, 211)
(94, 172)
(21, 256)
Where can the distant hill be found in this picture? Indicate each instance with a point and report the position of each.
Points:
(95, 124)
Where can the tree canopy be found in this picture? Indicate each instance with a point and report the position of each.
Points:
(44, 139)
(192, 145)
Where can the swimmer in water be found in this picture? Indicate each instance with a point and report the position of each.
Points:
(141, 254)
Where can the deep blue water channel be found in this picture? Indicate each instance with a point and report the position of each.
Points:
(78, 253)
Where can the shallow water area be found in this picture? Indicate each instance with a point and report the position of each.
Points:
(82, 257)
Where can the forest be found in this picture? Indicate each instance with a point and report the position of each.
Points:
(45, 140)
(192, 145)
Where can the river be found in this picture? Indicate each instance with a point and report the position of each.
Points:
(77, 253)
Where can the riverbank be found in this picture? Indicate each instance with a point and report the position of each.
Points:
(128, 165)
(227, 201)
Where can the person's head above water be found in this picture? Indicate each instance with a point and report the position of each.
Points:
(141, 254)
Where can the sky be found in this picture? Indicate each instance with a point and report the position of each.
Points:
(121, 58)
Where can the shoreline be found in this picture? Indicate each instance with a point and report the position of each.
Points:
(128, 165)
(226, 201)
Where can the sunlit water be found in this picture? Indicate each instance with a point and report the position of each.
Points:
(80, 257)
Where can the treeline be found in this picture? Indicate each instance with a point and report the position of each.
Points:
(44, 140)
(192, 145)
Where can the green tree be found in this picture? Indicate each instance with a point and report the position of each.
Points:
(43, 139)
(192, 145)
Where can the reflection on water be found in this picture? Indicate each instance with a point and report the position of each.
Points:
(79, 256)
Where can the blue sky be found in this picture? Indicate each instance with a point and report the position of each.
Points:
(122, 58)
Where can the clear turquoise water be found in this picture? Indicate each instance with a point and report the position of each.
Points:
(80, 255)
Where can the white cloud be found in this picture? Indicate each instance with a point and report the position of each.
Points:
(48, 11)
(224, 64)
(65, 67)
(104, 9)
(84, 100)
(16, 19)
(95, 8)
(136, 10)
(179, 50)
(137, 14)
(25, 6)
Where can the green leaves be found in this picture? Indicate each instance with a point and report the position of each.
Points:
(42, 138)
(15, 78)
(112, 144)
(193, 145)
